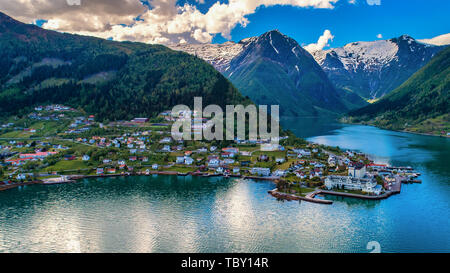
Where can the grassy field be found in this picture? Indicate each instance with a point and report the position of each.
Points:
(49, 128)
(281, 154)
(285, 165)
(249, 148)
(16, 134)
(351, 191)
(302, 191)
(67, 165)
(181, 169)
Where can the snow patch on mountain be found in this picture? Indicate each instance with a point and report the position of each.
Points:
(271, 43)
(439, 40)
(219, 55)
(365, 55)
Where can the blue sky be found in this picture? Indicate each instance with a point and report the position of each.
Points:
(349, 23)
(194, 21)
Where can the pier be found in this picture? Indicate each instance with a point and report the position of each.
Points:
(291, 197)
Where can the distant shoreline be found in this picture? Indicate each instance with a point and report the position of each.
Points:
(400, 131)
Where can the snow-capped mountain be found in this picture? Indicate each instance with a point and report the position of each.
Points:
(219, 55)
(273, 69)
(373, 69)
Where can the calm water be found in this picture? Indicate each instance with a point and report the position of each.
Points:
(188, 214)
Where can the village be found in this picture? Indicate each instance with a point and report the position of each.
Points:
(57, 144)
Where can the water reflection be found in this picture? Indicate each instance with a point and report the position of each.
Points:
(193, 214)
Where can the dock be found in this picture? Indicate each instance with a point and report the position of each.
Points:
(291, 197)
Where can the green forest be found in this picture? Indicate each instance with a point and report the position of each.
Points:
(113, 80)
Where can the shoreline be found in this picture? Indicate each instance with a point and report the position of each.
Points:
(400, 131)
(74, 178)
(310, 197)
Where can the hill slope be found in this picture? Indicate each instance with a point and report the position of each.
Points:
(421, 104)
(110, 79)
(373, 69)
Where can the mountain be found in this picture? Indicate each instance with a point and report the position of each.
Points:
(440, 40)
(274, 69)
(114, 80)
(373, 69)
(421, 104)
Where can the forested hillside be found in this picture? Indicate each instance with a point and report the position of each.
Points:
(421, 104)
(110, 79)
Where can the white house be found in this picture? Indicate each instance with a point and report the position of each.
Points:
(188, 160)
(279, 173)
(332, 161)
(301, 152)
(213, 163)
(86, 158)
(180, 160)
(301, 175)
(279, 160)
(155, 166)
(229, 161)
(357, 170)
(260, 171)
(166, 140)
(21, 177)
(269, 147)
(352, 183)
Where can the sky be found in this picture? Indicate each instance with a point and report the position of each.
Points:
(315, 24)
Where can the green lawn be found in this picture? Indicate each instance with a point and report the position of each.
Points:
(270, 154)
(351, 191)
(285, 165)
(249, 148)
(301, 191)
(16, 134)
(67, 165)
(181, 169)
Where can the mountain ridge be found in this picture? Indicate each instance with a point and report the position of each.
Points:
(273, 69)
(373, 69)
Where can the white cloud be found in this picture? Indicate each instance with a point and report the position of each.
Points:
(374, 2)
(380, 36)
(321, 43)
(165, 22)
(438, 40)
